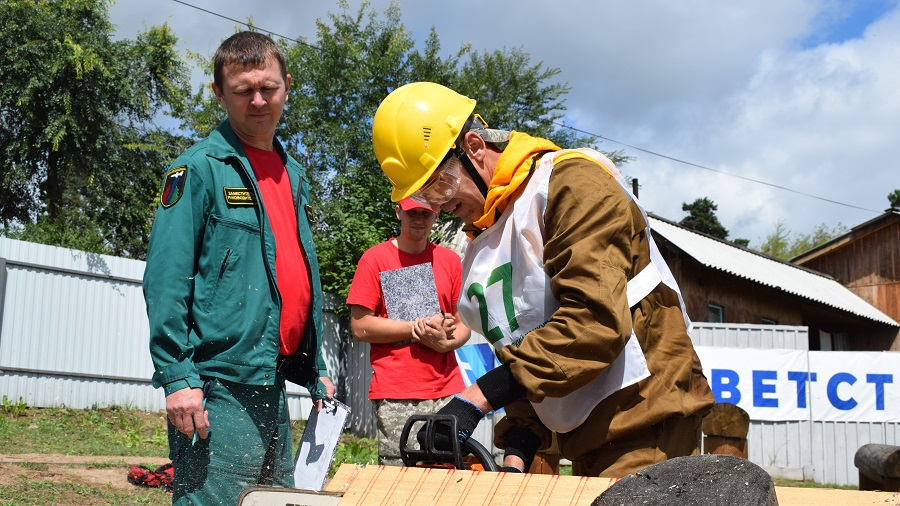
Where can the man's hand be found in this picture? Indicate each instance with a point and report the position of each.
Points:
(329, 391)
(521, 446)
(186, 412)
(436, 332)
(467, 417)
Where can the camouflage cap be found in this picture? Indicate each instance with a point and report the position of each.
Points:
(492, 135)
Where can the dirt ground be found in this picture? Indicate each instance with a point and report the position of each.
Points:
(111, 471)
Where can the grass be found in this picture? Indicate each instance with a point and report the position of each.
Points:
(784, 482)
(24, 491)
(117, 431)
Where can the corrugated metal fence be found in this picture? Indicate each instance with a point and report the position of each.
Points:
(73, 332)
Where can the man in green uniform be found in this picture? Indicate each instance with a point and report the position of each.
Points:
(232, 288)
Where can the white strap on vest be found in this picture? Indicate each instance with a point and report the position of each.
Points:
(641, 285)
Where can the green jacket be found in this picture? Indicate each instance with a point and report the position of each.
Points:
(210, 284)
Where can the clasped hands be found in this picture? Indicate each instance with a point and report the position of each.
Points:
(435, 331)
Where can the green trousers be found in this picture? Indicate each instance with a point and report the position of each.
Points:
(248, 444)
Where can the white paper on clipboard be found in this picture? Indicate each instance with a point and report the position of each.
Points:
(318, 444)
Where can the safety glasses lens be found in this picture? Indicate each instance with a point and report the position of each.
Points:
(444, 186)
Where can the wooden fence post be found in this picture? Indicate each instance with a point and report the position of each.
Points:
(725, 429)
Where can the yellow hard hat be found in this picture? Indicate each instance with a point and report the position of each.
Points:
(415, 126)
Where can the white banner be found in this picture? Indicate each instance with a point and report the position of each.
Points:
(855, 386)
(780, 385)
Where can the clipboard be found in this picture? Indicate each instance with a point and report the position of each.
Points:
(318, 444)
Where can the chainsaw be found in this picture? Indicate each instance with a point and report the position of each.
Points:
(470, 454)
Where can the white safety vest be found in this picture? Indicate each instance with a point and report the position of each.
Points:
(506, 292)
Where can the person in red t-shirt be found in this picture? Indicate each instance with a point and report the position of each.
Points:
(414, 369)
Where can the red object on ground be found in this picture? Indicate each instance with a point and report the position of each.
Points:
(161, 477)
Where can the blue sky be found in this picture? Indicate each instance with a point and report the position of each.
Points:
(800, 95)
(848, 21)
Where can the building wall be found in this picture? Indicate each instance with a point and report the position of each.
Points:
(748, 302)
(744, 301)
(868, 263)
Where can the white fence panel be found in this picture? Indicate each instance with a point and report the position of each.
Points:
(74, 331)
(736, 335)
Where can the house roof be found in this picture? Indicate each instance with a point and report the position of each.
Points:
(744, 263)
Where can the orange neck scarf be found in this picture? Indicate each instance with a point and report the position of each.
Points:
(512, 170)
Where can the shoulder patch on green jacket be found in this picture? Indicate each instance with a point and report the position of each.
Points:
(173, 186)
(239, 196)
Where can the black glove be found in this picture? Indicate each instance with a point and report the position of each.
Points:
(467, 417)
(521, 442)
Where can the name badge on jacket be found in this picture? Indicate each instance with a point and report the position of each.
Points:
(239, 196)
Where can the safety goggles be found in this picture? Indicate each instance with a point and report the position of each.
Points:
(443, 183)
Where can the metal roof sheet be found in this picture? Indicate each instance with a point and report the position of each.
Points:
(767, 271)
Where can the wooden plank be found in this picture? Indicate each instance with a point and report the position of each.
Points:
(506, 489)
(342, 478)
(578, 490)
(370, 483)
(375, 485)
(794, 496)
(535, 490)
(457, 489)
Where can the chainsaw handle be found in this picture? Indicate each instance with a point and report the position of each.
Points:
(481, 453)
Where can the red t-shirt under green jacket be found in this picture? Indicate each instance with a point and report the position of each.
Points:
(291, 271)
(410, 371)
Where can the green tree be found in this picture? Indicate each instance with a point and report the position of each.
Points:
(513, 93)
(894, 199)
(702, 218)
(777, 243)
(781, 243)
(81, 166)
(341, 77)
(339, 81)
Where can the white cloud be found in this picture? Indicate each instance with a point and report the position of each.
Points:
(820, 121)
(730, 86)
